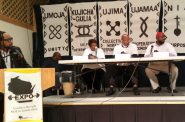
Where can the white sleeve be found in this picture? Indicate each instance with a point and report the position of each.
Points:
(86, 52)
(115, 51)
(100, 53)
(172, 50)
(135, 50)
(147, 52)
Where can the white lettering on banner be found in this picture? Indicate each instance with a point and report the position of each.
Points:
(24, 97)
(112, 11)
(144, 9)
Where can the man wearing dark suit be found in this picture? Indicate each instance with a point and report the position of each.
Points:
(10, 57)
(52, 62)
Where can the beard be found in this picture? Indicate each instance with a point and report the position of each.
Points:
(8, 47)
(160, 42)
(5, 47)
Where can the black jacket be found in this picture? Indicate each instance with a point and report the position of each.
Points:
(51, 63)
(16, 58)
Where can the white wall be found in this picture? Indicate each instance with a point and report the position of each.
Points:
(22, 38)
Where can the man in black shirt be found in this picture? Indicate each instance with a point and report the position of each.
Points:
(52, 62)
(10, 57)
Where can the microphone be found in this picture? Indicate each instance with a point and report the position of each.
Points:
(5, 56)
(14, 50)
(90, 56)
(151, 49)
(123, 52)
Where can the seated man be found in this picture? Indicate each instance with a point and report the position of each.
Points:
(53, 63)
(161, 46)
(93, 73)
(10, 57)
(126, 47)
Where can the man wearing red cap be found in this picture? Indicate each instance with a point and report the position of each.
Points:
(161, 46)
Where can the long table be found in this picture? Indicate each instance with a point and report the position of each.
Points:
(141, 59)
(126, 60)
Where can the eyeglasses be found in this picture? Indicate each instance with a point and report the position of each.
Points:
(8, 39)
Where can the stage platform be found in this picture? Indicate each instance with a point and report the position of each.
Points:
(126, 97)
(124, 107)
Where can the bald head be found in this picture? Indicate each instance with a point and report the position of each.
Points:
(125, 39)
(56, 56)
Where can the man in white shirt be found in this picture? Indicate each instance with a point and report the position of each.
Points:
(126, 47)
(161, 46)
(93, 73)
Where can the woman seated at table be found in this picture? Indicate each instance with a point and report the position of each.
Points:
(93, 73)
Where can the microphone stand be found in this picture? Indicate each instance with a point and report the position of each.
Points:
(170, 77)
(94, 77)
(5, 56)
